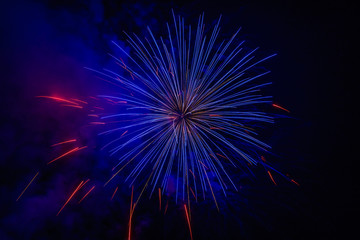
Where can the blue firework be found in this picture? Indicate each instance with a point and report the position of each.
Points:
(189, 108)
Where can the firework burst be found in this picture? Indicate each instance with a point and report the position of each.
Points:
(188, 110)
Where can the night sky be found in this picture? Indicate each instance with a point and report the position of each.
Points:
(44, 49)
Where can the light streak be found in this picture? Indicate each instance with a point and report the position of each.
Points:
(67, 153)
(60, 143)
(159, 199)
(278, 106)
(188, 221)
(271, 177)
(71, 196)
(86, 194)
(27, 186)
(59, 99)
(114, 193)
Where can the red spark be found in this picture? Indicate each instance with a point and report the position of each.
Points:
(58, 99)
(78, 100)
(159, 199)
(221, 155)
(114, 193)
(74, 106)
(166, 207)
(277, 106)
(67, 153)
(193, 194)
(192, 173)
(71, 196)
(271, 177)
(216, 128)
(86, 194)
(292, 180)
(188, 220)
(68, 141)
(97, 123)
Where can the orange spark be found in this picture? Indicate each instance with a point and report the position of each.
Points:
(277, 106)
(27, 186)
(86, 194)
(263, 158)
(214, 115)
(68, 141)
(58, 99)
(114, 193)
(188, 220)
(271, 177)
(67, 153)
(71, 196)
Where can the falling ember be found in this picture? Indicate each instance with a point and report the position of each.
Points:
(71, 196)
(67, 153)
(27, 186)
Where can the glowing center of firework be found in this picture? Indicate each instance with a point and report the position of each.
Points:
(180, 116)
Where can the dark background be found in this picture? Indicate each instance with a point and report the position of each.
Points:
(44, 47)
